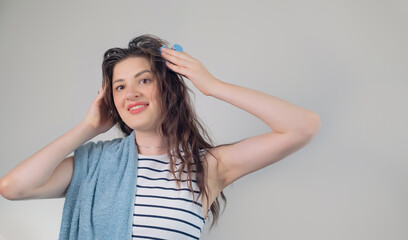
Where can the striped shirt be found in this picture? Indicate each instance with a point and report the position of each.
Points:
(162, 210)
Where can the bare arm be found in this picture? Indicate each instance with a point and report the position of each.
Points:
(47, 173)
(292, 127)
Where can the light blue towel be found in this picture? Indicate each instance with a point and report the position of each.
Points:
(100, 198)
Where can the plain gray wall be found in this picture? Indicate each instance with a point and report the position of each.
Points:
(345, 60)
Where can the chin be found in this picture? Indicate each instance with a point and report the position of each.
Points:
(141, 128)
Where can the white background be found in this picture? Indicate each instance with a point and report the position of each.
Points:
(346, 61)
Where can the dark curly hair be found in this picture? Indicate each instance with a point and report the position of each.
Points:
(184, 134)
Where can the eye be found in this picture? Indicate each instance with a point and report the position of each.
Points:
(118, 88)
(145, 80)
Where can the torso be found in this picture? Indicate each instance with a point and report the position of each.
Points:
(161, 207)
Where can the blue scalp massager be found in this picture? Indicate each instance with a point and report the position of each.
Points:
(176, 47)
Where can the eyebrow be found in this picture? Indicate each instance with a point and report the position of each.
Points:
(137, 75)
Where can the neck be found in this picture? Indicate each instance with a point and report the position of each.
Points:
(149, 143)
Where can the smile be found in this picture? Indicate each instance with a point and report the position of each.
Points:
(138, 108)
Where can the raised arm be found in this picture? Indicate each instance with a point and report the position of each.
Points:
(292, 127)
(47, 173)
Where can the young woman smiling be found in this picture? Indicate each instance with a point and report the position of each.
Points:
(180, 173)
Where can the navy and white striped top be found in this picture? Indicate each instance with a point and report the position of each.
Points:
(162, 210)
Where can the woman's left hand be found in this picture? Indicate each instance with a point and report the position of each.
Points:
(191, 68)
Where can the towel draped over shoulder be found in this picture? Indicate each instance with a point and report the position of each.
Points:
(100, 198)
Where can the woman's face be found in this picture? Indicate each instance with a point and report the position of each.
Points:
(135, 94)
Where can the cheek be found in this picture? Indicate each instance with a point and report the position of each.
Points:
(156, 98)
(159, 107)
(116, 102)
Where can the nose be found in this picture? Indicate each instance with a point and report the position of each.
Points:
(132, 93)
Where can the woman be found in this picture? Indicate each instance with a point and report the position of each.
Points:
(180, 173)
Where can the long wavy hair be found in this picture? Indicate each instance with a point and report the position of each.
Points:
(184, 134)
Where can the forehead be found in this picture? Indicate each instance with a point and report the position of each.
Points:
(129, 67)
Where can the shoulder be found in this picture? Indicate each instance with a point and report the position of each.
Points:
(97, 147)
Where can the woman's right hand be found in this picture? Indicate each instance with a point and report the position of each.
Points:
(97, 116)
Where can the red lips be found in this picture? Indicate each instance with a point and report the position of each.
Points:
(136, 104)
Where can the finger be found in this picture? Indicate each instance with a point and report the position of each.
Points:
(101, 92)
(176, 60)
(188, 55)
(173, 52)
(178, 69)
